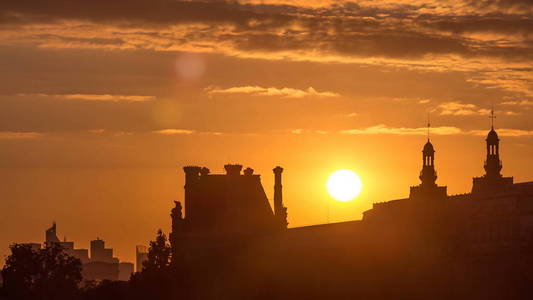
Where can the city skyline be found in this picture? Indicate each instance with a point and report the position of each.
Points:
(101, 104)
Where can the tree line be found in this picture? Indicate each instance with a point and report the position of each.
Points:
(50, 273)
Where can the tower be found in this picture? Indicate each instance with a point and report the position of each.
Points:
(428, 189)
(428, 176)
(279, 210)
(492, 181)
(493, 164)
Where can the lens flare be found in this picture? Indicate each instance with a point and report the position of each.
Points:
(190, 66)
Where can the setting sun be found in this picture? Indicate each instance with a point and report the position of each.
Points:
(344, 185)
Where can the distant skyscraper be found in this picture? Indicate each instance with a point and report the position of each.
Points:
(51, 235)
(141, 254)
(100, 266)
(51, 239)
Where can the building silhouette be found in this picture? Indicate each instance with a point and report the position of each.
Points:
(51, 238)
(101, 265)
(429, 245)
(141, 255)
(492, 181)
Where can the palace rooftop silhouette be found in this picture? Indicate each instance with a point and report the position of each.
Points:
(439, 239)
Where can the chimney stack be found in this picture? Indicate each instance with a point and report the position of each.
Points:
(233, 170)
(279, 210)
(192, 175)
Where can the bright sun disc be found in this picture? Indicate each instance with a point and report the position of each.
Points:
(344, 185)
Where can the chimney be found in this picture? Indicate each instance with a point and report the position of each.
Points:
(192, 175)
(233, 170)
(279, 210)
(248, 171)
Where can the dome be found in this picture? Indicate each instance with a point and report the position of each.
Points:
(492, 136)
(428, 148)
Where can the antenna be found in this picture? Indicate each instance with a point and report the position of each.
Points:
(492, 116)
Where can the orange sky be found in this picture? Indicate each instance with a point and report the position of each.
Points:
(101, 104)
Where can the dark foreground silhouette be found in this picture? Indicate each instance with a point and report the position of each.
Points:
(250, 272)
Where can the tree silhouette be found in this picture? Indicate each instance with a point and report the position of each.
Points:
(159, 253)
(47, 273)
(158, 280)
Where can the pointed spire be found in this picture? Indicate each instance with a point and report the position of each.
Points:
(429, 125)
(492, 116)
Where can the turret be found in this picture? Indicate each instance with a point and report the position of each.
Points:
(492, 181)
(279, 210)
(428, 189)
(428, 176)
(493, 164)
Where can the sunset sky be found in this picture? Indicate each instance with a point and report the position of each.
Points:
(103, 102)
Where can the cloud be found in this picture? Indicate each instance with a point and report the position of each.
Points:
(107, 97)
(466, 109)
(443, 130)
(11, 135)
(504, 132)
(271, 91)
(519, 102)
(96, 131)
(276, 28)
(491, 40)
(297, 131)
(460, 109)
(382, 129)
(174, 131)
(93, 97)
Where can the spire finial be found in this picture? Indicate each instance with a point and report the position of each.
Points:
(429, 125)
(492, 116)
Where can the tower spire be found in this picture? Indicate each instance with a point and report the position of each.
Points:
(492, 116)
(429, 125)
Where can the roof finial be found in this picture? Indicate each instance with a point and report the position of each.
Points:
(492, 116)
(429, 125)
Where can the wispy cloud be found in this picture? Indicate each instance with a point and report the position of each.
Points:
(297, 131)
(460, 109)
(504, 132)
(519, 102)
(308, 131)
(467, 109)
(383, 129)
(11, 135)
(271, 91)
(443, 130)
(174, 131)
(92, 97)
